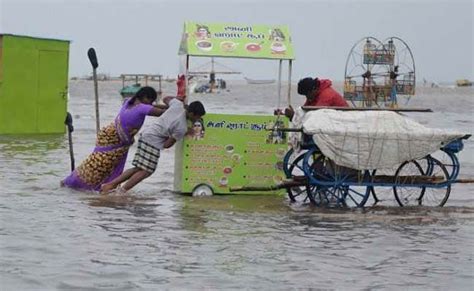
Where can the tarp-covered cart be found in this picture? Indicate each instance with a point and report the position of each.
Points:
(233, 150)
(337, 157)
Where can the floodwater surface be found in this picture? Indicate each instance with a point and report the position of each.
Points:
(54, 238)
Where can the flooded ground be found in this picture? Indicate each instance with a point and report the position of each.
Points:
(57, 238)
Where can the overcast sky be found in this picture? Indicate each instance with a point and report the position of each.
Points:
(142, 36)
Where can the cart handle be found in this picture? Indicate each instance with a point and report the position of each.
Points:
(310, 108)
(285, 129)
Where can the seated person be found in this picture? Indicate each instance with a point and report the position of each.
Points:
(318, 93)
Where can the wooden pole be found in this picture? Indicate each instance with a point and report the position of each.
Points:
(310, 108)
(464, 181)
(96, 91)
(159, 86)
(285, 184)
(93, 60)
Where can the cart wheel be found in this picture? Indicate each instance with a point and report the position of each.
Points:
(383, 194)
(436, 194)
(448, 159)
(410, 194)
(293, 167)
(341, 191)
(357, 195)
(319, 170)
(203, 190)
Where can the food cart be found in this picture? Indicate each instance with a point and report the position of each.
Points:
(229, 150)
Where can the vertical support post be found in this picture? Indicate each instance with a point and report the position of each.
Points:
(186, 80)
(290, 64)
(279, 81)
(212, 77)
(96, 91)
(159, 85)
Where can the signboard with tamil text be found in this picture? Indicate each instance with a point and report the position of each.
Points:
(231, 151)
(236, 40)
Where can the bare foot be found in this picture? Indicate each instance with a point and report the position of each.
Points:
(106, 188)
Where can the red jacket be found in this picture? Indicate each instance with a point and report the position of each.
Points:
(327, 96)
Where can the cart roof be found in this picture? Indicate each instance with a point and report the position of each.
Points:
(236, 41)
(34, 37)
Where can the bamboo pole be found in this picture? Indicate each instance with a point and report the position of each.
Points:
(285, 184)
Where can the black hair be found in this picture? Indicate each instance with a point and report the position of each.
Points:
(144, 92)
(197, 108)
(306, 85)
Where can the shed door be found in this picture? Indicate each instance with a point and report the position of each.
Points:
(52, 91)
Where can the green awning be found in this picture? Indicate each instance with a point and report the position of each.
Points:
(236, 40)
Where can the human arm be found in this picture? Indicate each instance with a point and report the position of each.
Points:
(157, 110)
(169, 142)
(288, 112)
(167, 100)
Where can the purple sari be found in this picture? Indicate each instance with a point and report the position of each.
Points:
(107, 161)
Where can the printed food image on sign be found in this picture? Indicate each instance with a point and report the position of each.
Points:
(236, 40)
(233, 152)
(278, 47)
(253, 47)
(204, 45)
(228, 46)
(229, 148)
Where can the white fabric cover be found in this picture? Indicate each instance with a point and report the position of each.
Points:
(367, 140)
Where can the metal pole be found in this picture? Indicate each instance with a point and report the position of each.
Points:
(96, 91)
(279, 82)
(159, 85)
(186, 80)
(290, 63)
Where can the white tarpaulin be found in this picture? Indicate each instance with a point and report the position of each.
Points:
(367, 140)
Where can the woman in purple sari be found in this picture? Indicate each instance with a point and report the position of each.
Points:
(113, 141)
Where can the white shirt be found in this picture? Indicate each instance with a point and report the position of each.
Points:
(172, 123)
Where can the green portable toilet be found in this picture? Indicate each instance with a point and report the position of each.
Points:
(33, 84)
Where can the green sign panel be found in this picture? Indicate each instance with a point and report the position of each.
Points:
(236, 40)
(231, 151)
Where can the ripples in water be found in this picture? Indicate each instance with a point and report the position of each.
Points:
(57, 238)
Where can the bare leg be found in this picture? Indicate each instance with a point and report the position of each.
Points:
(107, 187)
(136, 178)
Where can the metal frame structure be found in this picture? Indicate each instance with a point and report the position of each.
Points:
(376, 73)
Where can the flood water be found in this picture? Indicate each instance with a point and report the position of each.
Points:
(54, 238)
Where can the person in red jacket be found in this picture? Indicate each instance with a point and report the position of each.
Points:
(318, 93)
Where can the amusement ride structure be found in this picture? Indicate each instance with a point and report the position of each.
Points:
(377, 73)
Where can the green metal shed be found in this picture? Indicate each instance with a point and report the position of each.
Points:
(33, 84)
